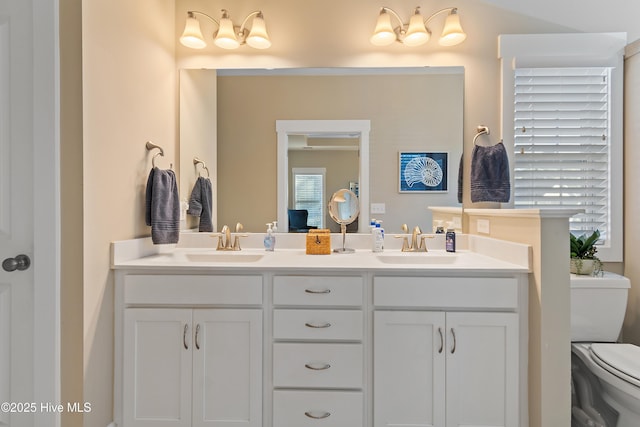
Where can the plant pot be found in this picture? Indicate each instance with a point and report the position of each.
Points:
(582, 266)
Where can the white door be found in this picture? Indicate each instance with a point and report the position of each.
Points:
(157, 367)
(482, 369)
(16, 215)
(227, 368)
(409, 369)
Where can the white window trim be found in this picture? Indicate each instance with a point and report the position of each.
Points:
(572, 50)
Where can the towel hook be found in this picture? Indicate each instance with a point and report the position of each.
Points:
(150, 146)
(197, 161)
(481, 130)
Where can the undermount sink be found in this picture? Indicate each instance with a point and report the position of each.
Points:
(418, 258)
(224, 257)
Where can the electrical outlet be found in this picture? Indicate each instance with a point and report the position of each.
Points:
(482, 225)
(457, 222)
(377, 208)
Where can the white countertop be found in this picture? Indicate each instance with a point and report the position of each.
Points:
(506, 257)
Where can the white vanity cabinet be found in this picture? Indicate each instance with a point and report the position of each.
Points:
(320, 341)
(191, 351)
(318, 352)
(446, 352)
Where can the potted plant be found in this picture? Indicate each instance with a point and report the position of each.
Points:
(583, 254)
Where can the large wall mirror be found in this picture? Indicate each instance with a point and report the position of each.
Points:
(409, 110)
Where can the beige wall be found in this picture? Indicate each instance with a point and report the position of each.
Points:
(71, 200)
(549, 338)
(341, 169)
(130, 95)
(401, 118)
(631, 331)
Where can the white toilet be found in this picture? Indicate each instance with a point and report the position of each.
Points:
(605, 374)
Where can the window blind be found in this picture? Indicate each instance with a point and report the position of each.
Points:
(561, 143)
(309, 195)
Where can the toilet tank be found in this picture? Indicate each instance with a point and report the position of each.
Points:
(598, 306)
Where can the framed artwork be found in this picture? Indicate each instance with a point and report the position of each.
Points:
(423, 172)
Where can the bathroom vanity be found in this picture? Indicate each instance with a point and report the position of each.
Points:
(286, 339)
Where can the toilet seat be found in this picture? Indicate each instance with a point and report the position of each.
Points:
(621, 360)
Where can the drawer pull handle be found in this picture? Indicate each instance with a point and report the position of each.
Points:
(318, 291)
(441, 340)
(318, 326)
(317, 368)
(453, 333)
(318, 417)
(198, 336)
(184, 337)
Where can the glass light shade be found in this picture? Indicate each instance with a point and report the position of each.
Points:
(383, 35)
(192, 36)
(417, 33)
(226, 37)
(452, 33)
(258, 37)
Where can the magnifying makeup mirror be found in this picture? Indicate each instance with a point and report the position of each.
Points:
(343, 209)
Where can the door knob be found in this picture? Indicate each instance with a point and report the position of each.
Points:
(20, 262)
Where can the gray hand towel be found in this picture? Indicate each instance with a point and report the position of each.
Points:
(490, 174)
(200, 203)
(162, 211)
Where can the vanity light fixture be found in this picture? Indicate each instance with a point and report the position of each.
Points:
(416, 32)
(228, 35)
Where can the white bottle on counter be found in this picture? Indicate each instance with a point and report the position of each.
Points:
(377, 237)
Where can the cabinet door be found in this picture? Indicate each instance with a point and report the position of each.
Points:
(227, 373)
(409, 369)
(482, 369)
(157, 368)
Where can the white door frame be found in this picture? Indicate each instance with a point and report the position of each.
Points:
(46, 166)
(286, 127)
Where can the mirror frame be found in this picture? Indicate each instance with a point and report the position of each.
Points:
(284, 128)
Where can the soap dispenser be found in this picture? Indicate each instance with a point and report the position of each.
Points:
(377, 237)
(269, 239)
(450, 238)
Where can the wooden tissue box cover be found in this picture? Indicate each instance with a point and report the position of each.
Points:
(319, 242)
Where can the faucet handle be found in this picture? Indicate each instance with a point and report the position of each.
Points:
(423, 244)
(236, 241)
(219, 236)
(239, 227)
(405, 243)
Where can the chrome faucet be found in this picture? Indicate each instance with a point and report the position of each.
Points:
(224, 238)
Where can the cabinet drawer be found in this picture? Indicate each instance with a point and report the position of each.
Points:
(318, 324)
(317, 365)
(317, 409)
(446, 292)
(192, 290)
(317, 290)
